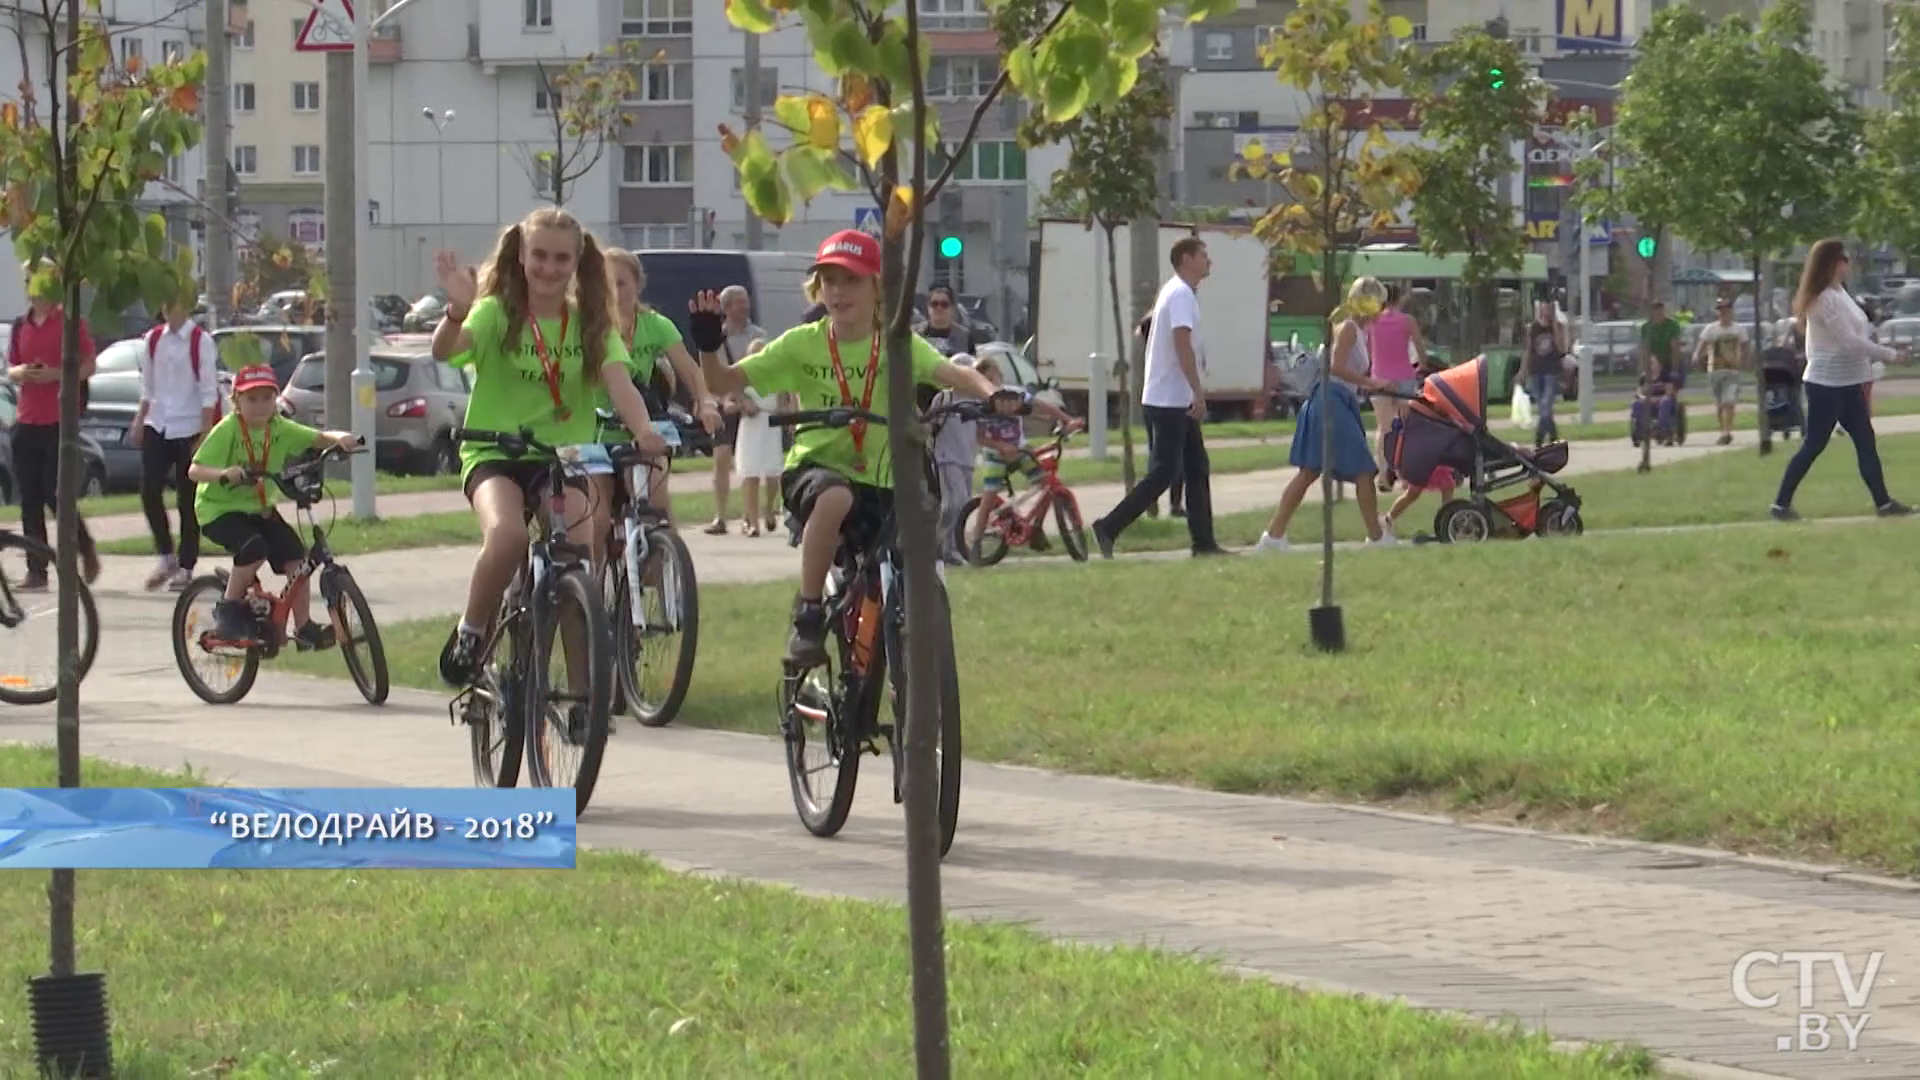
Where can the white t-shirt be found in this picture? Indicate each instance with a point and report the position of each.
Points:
(1166, 385)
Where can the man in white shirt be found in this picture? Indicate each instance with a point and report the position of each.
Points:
(179, 402)
(1175, 402)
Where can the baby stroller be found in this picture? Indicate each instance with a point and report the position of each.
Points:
(1447, 425)
(1661, 402)
(1780, 393)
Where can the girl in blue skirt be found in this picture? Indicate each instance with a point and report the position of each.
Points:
(1352, 458)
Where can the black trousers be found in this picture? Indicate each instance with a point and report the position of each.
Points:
(1175, 449)
(1176, 491)
(1829, 407)
(36, 475)
(162, 460)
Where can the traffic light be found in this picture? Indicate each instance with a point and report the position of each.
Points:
(1647, 247)
(1496, 78)
(951, 246)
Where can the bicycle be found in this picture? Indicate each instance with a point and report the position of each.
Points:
(838, 703)
(508, 708)
(661, 615)
(18, 687)
(1009, 527)
(303, 482)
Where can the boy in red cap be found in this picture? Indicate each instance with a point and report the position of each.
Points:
(236, 511)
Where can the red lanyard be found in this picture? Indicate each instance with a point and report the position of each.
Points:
(266, 447)
(548, 367)
(859, 427)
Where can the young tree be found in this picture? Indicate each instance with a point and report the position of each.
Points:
(1105, 184)
(1348, 177)
(586, 110)
(1889, 202)
(877, 131)
(1778, 166)
(1477, 99)
(76, 152)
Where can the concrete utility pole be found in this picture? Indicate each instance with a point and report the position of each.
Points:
(342, 282)
(750, 88)
(218, 267)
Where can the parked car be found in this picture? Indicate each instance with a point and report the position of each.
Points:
(90, 452)
(112, 398)
(1612, 345)
(277, 346)
(419, 401)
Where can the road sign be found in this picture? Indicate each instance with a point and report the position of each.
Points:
(329, 28)
(867, 219)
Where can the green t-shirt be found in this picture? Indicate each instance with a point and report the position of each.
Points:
(653, 335)
(223, 448)
(510, 390)
(1659, 337)
(798, 362)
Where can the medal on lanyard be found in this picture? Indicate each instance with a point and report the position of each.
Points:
(266, 447)
(549, 367)
(858, 429)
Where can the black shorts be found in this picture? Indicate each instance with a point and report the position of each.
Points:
(250, 538)
(527, 474)
(729, 430)
(801, 487)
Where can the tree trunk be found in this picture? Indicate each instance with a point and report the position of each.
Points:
(1323, 405)
(61, 887)
(1121, 346)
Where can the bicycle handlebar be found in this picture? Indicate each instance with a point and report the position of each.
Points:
(296, 469)
(843, 415)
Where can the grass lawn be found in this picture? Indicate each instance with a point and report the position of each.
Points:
(1737, 688)
(376, 974)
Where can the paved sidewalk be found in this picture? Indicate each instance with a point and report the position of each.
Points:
(1593, 940)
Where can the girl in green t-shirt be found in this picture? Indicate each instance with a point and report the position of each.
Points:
(539, 335)
(650, 336)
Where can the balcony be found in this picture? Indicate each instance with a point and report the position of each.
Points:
(385, 48)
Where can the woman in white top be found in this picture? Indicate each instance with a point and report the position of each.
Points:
(1841, 354)
(758, 454)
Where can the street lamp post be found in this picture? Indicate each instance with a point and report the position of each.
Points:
(440, 121)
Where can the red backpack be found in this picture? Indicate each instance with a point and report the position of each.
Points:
(193, 353)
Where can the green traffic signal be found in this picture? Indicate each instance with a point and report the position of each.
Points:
(1646, 247)
(1496, 78)
(950, 247)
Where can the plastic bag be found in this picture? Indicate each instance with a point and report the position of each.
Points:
(1522, 406)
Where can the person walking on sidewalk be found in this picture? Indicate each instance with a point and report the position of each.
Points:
(1840, 358)
(34, 356)
(1724, 351)
(1397, 350)
(736, 306)
(1175, 401)
(179, 403)
(1542, 368)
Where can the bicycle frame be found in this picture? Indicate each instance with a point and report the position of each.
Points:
(319, 557)
(1026, 522)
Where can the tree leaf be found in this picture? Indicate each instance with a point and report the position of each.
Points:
(823, 124)
(872, 134)
(790, 111)
(752, 16)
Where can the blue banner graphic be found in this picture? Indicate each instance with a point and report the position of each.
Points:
(286, 828)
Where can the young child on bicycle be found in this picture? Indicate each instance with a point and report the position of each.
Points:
(1003, 441)
(541, 338)
(833, 475)
(237, 511)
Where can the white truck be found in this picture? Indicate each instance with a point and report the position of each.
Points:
(1075, 316)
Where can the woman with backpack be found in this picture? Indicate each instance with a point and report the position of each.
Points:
(179, 402)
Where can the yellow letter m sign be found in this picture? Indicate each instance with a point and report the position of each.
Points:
(1589, 24)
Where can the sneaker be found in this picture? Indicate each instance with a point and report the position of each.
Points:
(313, 637)
(459, 660)
(1040, 544)
(1102, 539)
(807, 644)
(1210, 552)
(1726, 440)
(233, 621)
(179, 579)
(1783, 513)
(1270, 543)
(1177, 511)
(1893, 508)
(162, 573)
(1387, 539)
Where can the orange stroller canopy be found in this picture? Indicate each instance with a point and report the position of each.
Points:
(1457, 395)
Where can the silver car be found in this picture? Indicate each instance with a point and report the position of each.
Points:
(418, 402)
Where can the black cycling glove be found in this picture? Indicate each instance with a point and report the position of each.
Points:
(708, 331)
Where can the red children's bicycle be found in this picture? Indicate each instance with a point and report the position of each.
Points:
(1018, 521)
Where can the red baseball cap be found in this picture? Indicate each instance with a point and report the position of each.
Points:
(255, 377)
(850, 249)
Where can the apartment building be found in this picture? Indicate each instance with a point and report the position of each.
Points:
(142, 31)
(278, 129)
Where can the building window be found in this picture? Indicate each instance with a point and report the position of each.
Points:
(244, 39)
(246, 160)
(545, 98)
(992, 161)
(132, 51)
(539, 14)
(543, 177)
(769, 88)
(246, 227)
(306, 161)
(1219, 46)
(1226, 120)
(657, 235)
(306, 97)
(951, 77)
(1528, 39)
(663, 165)
(953, 15)
(176, 168)
(663, 82)
(243, 99)
(172, 52)
(656, 18)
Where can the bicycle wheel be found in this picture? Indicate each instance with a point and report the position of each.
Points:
(660, 655)
(576, 718)
(31, 624)
(219, 675)
(947, 750)
(496, 733)
(1073, 533)
(366, 658)
(993, 541)
(817, 715)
